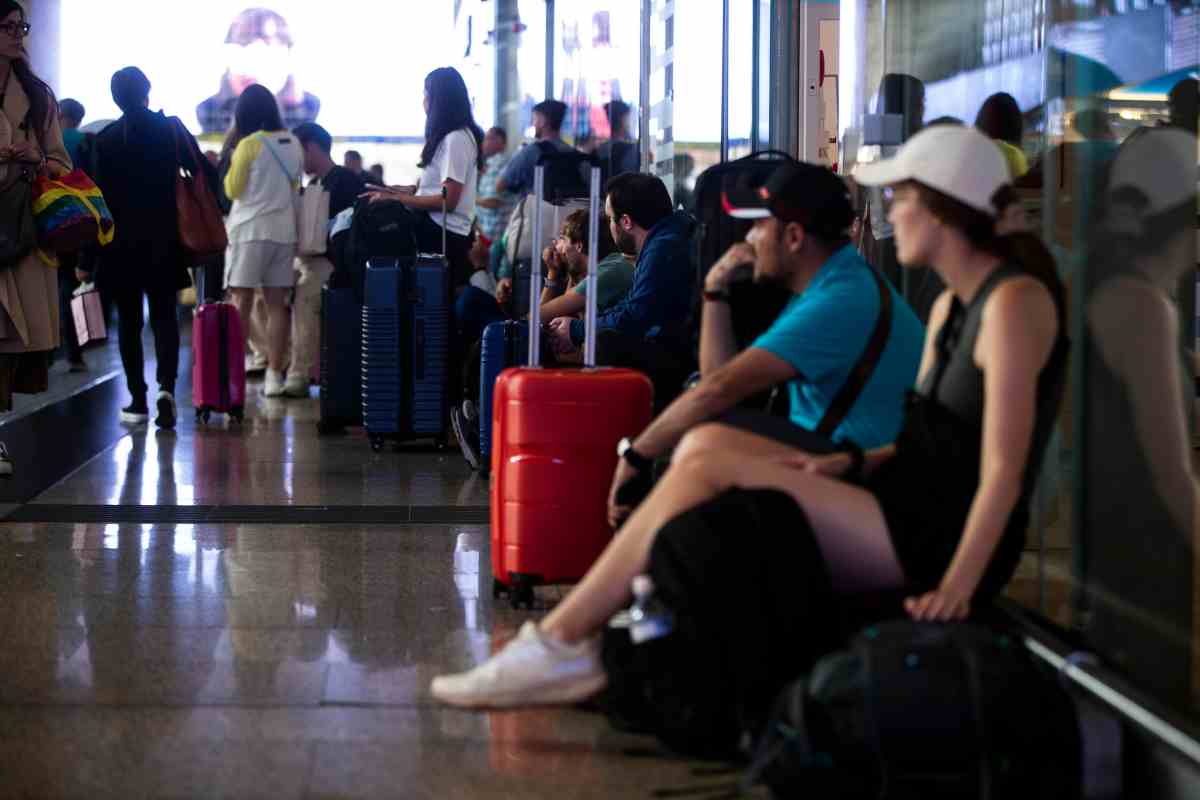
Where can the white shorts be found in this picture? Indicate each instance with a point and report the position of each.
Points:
(255, 265)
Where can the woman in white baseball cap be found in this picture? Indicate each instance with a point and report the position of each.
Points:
(954, 489)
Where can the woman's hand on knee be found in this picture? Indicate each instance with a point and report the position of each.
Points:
(944, 604)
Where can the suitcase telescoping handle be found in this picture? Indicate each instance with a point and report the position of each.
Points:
(445, 255)
(535, 283)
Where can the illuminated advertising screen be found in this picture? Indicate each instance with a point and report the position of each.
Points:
(355, 66)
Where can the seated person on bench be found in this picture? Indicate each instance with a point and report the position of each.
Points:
(567, 266)
(941, 512)
(565, 291)
(644, 331)
(813, 346)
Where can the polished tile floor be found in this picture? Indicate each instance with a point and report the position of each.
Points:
(264, 660)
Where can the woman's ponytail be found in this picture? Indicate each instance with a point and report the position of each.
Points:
(1014, 241)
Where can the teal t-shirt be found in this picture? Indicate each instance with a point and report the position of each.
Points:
(823, 331)
(614, 276)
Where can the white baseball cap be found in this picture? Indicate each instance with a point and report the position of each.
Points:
(955, 160)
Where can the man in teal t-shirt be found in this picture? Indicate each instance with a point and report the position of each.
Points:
(614, 276)
(799, 241)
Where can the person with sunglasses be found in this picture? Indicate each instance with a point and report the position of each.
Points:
(31, 143)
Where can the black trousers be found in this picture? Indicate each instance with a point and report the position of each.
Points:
(666, 363)
(66, 288)
(164, 323)
(429, 240)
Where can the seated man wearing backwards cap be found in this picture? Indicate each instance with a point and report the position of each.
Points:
(798, 240)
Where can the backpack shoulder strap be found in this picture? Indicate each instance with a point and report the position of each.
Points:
(857, 380)
(267, 144)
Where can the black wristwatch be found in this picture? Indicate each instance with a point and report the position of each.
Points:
(715, 296)
(632, 457)
(857, 459)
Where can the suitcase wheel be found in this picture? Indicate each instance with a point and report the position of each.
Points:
(237, 414)
(521, 591)
(377, 444)
(440, 443)
(498, 588)
(329, 429)
(203, 415)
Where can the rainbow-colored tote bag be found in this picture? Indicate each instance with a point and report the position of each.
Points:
(70, 213)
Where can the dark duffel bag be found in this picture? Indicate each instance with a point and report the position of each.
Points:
(383, 230)
(752, 607)
(922, 710)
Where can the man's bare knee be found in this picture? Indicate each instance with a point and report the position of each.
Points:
(698, 440)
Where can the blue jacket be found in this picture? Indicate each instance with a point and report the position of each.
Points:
(663, 281)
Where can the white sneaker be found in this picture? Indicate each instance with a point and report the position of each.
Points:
(6, 464)
(296, 386)
(532, 669)
(273, 384)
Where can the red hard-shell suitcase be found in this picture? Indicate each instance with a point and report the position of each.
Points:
(554, 450)
(218, 362)
(553, 459)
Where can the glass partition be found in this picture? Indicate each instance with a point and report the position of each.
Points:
(1104, 155)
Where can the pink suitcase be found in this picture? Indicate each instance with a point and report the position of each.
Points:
(218, 362)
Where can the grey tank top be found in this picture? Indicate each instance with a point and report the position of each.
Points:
(957, 384)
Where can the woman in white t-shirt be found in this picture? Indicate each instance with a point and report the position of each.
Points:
(452, 158)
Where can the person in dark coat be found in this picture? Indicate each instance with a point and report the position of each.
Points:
(135, 168)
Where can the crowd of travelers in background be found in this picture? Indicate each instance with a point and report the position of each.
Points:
(914, 422)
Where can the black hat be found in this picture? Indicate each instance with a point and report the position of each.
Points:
(808, 194)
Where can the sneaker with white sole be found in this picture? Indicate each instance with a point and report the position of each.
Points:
(166, 410)
(273, 384)
(136, 413)
(533, 669)
(296, 388)
(468, 439)
(6, 464)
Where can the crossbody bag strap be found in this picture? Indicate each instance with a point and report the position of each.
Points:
(267, 144)
(857, 380)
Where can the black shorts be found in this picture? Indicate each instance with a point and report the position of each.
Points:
(777, 429)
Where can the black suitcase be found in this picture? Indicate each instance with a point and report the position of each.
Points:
(341, 360)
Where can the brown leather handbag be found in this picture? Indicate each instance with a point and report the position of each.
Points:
(201, 228)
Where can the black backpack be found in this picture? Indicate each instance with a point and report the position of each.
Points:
(750, 613)
(754, 306)
(923, 710)
(378, 230)
(567, 174)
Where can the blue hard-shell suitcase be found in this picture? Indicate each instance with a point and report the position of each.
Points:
(341, 360)
(505, 344)
(406, 349)
(427, 323)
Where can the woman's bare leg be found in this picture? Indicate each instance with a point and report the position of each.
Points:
(846, 519)
(243, 301)
(279, 322)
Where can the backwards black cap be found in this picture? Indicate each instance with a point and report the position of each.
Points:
(810, 195)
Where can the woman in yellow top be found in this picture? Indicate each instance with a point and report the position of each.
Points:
(1000, 119)
(263, 177)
